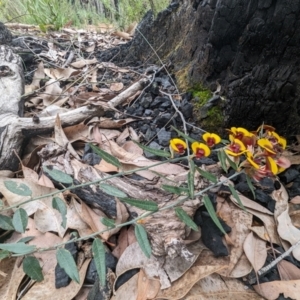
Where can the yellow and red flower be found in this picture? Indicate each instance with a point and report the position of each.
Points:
(200, 150)
(243, 135)
(178, 146)
(211, 139)
(235, 148)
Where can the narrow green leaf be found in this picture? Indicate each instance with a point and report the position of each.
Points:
(185, 218)
(60, 205)
(210, 209)
(32, 268)
(111, 190)
(107, 222)
(6, 223)
(184, 135)
(222, 159)
(18, 248)
(156, 152)
(190, 179)
(207, 175)
(142, 239)
(249, 182)
(17, 188)
(26, 239)
(143, 204)
(175, 189)
(236, 196)
(106, 156)
(66, 261)
(4, 254)
(231, 163)
(58, 175)
(99, 257)
(20, 220)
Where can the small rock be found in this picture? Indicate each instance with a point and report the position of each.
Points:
(146, 101)
(187, 110)
(157, 101)
(149, 134)
(139, 112)
(148, 112)
(152, 145)
(163, 119)
(144, 128)
(164, 137)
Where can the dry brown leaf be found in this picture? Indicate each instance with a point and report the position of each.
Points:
(147, 288)
(288, 271)
(295, 200)
(46, 217)
(46, 289)
(116, 86)
(129, 288)
(271, 290)
(52, 92)
(122, 34)
(112, 124)
(39, 74)
(288, 231)
(131, 147)
(256, 251)
(77, 132)
(83, 62)
(215, 287)
(203, 266)
(61, 73)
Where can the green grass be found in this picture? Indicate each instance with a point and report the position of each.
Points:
(55, 14)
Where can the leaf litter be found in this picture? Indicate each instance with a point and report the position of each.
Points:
(180, 266)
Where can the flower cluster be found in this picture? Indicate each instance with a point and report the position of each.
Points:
(258, 152)
(199, 149)
(262, 149)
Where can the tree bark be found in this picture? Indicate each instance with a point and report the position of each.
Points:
(249, 47)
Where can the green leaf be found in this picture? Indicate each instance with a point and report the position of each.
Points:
(18, 248)
(20, 220)
(207, 175)
(222, 159)
(231, 163)
(185, 218)
(26, 239)
(156, 152)
(175, 189)
(236, 196)
(111, 190)
(4, 254)
(249, 182)
(142, 239)
(143, 204)
(107, 222)
(106, 156)
(210, 209)
(6, 223)
(58, 175)
(17, 188)
(32, 268)
(66, 261)
(60, 205)
(190, 179)
(99, 257)
(184, 135)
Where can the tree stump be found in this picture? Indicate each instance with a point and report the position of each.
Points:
(249, 47)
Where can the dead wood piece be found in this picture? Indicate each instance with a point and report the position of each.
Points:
(122, 97)
(14, 130)
(11, 82)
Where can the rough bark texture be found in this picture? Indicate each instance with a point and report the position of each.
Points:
(249, 47)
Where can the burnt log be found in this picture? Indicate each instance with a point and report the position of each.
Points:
(249, 47)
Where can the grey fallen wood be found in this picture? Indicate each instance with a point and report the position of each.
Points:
(14, 129)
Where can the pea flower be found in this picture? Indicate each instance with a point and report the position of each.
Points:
(266, 145)
(200, 150)
(211, 139)
(236, 148)
(177, 145)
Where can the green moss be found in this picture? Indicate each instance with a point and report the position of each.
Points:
(210, 119)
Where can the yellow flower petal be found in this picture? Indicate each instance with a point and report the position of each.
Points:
(282, 142)
(178, 145)
(271, 165)
(200, 149)
(234, 153)
(266, 144)
(251, 160)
